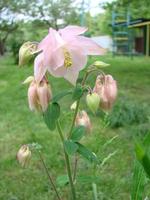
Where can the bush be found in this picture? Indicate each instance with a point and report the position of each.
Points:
(127, 112)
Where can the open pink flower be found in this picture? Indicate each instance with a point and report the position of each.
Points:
(106, 88)
(64, 53)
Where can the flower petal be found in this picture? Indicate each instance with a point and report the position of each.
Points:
(88, 46)
(39, 67)
(73, 30)
(72, 76)
(52, 49)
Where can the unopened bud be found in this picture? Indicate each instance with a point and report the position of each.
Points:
(26, 51)
(100, 64)
(29, 79)
(73, 106)
(93, 101)
(39, 95)
(83, 119)
(24, 155)
(106, 88)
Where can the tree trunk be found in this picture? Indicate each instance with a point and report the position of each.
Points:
(2, 48)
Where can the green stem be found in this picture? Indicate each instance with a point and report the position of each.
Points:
(74, 118)
(77, 107)
(67, 163)
(49, 177)
(75, 168)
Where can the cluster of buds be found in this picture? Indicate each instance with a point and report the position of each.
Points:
(39, 95)
(106, 88)
(103, 95)
(24, 155)
(83, 119)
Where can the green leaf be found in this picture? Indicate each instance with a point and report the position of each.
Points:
(62, 180)
(143, 157)
(86, 153)
(70, 147)
(146, 164)
(78, 92)
(51, 115)
(60, 95)
(138, 182)
(139, 150)
(78, 133)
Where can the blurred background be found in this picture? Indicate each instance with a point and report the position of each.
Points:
(123, 28)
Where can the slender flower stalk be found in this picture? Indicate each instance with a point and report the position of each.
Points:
(75, 168)
(49, 176)
(73, 194)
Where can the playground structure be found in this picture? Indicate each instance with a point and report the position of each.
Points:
(130, 36)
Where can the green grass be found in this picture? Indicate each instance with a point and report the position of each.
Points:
(20, 126)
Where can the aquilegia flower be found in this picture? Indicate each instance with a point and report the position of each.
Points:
(106, 88)
(64, 53)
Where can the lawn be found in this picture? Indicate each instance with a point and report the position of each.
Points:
(20, 126)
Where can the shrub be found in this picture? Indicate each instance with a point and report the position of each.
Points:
(126, 112)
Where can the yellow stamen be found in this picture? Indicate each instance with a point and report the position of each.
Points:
(68, 60)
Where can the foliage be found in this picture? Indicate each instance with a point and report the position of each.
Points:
(126, 112)
(18, 126)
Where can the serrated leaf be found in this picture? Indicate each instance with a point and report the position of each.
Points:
(78, 133)
(60, 95)
(86, 153)
(51, 115)
(78, 92)
(62, 180)
(70, 147)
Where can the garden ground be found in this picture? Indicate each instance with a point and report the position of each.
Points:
(20, 126)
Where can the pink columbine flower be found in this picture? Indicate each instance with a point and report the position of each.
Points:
(64, 53)
(39, 95)
(83, 119)
(106, 88)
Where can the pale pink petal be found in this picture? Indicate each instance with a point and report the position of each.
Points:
(57, 58)
(78, 58)
(39, 67)
(52, 46)
(44, 95)
(88, 46)
(72, 30)
(59, 72)
(71, 76)
(32, 96)
(52, 40)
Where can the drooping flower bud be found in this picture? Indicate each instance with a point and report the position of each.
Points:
(24, 155)
(26, 52)
(29, 79)
(73, 106)
(83, 119)
(93, 101)
(39, 95)
(106, 88)
(100, 64)
(44, 94)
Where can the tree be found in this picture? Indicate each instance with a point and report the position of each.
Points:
(46, 12)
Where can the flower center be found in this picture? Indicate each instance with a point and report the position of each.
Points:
(68, 59)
